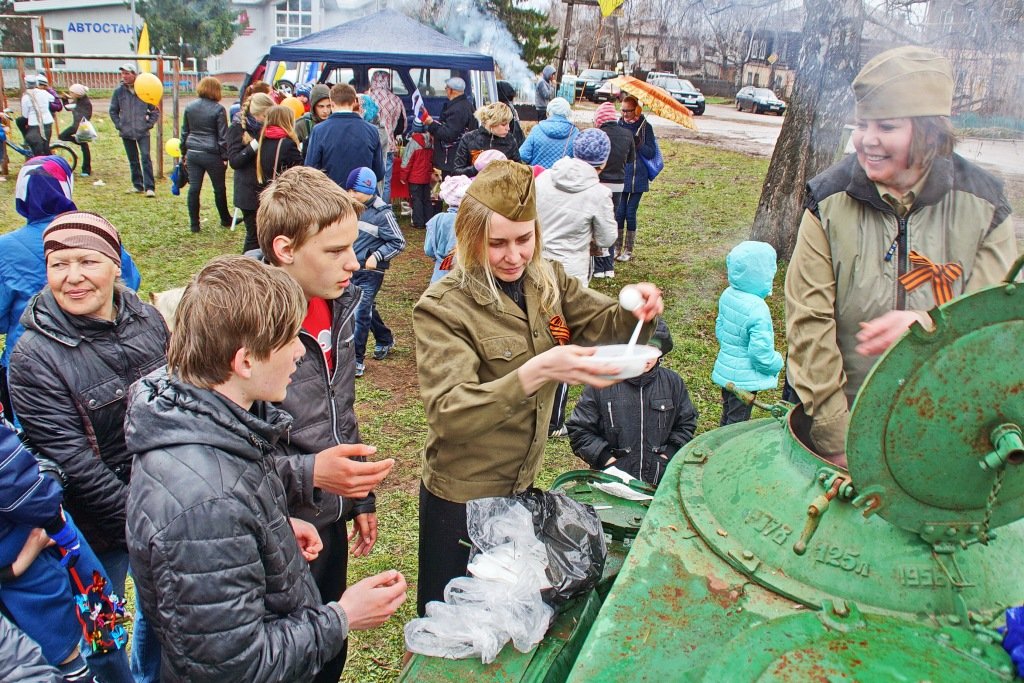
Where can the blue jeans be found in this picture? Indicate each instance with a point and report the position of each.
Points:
(625, 210)
(145, 658)
(389, 163)
(367, 317)
(139, 162)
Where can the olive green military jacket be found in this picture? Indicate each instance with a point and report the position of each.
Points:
(840, 275)
(486, 437)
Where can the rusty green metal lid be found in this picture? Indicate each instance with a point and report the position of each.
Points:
(934, 441)
(841, 643)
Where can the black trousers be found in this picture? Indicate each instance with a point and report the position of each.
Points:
(733, 409)
(249, 218)
(442, 557)
(199, 165)
(558, 408)
(68, 135)
(330, 571)
(420, 196)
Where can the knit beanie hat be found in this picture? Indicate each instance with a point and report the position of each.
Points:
(79, 90)
(487, 156)
(44, 188)
(592, 146)
(559, 107)
(507, 188)
(82, 230)
(319, 92)
(605, 113)
(31, 81)
(369, 107)
(42, 79)
(904, 82)
(363, 180)
(453, 189)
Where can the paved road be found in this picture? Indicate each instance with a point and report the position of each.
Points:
(723, 126)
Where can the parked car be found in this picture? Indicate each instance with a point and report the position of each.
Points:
(651, 75)
(608, 93)
(759, 101)
(593, 79)
(682, 91)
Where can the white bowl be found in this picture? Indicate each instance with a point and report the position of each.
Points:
(629, 364)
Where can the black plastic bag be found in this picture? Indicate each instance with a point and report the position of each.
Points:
(572, 534)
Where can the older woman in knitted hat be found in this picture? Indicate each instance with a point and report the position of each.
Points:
(87, 339)
(493, 339)
(876, 223)
(43, 190)
(551, 139)
(494, 133)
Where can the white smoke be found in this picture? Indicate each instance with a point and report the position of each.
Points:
(465, 22)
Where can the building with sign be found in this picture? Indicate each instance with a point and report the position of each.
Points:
(106, 27)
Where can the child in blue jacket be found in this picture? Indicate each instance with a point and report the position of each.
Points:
(380, 240)
(746, 338)
(36, 587)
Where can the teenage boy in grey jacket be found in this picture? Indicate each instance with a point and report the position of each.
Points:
(216, 557)
(306, 226)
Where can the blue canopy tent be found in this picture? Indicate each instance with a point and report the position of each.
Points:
(417, 56)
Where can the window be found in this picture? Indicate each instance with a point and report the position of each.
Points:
(430, 82)
(55, 43)
(294, 19)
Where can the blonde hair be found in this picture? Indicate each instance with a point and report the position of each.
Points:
(493, 114)
(279, 116)
(259, 104)
(472, 265)
(298, 204)
(233, 302)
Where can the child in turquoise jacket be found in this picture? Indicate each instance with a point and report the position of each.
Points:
(746, 339)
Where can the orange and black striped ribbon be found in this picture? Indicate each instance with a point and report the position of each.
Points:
(559, 330)
(448, 261)
(941, 276)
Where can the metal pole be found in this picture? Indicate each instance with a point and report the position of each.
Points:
(135, 35)
(160, 121)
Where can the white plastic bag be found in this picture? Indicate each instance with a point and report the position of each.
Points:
(502, 599)
(86, 132)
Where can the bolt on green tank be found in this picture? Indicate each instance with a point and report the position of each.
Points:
(759, 561)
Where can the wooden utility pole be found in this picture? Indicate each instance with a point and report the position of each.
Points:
(566, 30)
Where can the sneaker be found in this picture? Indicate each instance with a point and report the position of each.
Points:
(360, 369)
(133, 190)
(381, 351)
(559, 433)
(150, 193)
(598, 274)
(624, 256)
(83, 174)
(610, 274)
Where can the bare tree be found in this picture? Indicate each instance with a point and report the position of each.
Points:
(819, 109)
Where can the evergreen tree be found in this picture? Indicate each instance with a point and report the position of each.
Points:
(202, 27)
(531, 28)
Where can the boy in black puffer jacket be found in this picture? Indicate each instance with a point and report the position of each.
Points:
(636, 425)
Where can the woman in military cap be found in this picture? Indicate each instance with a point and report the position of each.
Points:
(899, 227)
(493, 339)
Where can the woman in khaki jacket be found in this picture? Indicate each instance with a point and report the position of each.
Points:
(890, 232)
(493, 339)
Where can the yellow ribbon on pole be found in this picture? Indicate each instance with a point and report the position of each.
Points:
(609, 6)
(144, 64)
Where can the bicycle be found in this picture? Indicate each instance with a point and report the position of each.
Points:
(58, 148)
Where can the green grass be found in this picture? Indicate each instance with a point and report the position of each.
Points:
(701, 206)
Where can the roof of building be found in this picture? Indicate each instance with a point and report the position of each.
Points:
(385, 38)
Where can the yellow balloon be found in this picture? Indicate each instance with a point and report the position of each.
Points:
(149, 89)
(295, 104)
(173, 148)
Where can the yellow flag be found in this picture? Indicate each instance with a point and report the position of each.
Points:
(144, 65)
(609, 6)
